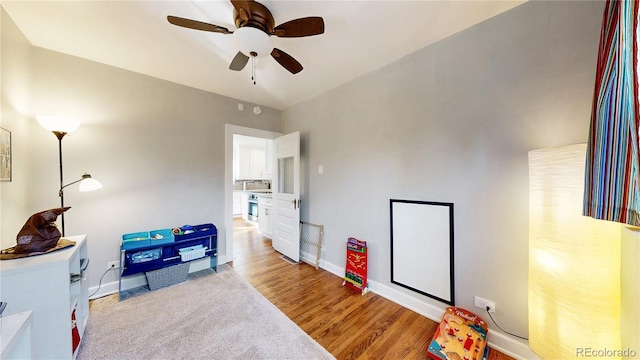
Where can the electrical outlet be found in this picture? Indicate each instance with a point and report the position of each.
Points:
(113, 265)
(483, 303)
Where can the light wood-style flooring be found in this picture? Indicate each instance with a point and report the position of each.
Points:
(347, 324)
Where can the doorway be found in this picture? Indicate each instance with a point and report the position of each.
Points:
(230, 131)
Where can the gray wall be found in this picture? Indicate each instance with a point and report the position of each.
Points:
(157, 147)
(15, 57)
(453, 122)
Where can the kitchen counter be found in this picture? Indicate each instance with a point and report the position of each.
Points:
(257, 192)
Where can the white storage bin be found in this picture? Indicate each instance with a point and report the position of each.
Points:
(192, 253)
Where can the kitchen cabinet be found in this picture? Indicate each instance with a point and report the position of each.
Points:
(237, 203)
(252, 158)
(265, 210)
(54, 286)
(252, 162)
(244, 202)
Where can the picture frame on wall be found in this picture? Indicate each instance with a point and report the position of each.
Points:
(5, 155)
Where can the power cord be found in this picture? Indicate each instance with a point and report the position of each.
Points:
(100, 282)
(503, 330)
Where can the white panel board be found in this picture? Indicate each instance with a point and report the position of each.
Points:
(422, 248)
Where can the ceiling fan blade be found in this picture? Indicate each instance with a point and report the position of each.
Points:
(286, 60)
(243, 8)
(308, 26)
(197, 25)
(239, 61)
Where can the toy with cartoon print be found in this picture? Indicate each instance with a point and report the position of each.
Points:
(460, 335)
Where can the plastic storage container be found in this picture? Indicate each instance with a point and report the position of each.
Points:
(192, 253)
(160, 237)
(197, 231)
(135, 240)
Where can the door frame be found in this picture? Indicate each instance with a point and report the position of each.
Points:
(231, 130)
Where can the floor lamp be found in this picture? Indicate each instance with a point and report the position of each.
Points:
(61, 127)
(574, 263)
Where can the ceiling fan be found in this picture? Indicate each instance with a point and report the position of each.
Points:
(255, 26)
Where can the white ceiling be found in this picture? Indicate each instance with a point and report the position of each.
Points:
(360, 36)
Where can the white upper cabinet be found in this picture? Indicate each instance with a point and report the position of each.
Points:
(252, 158)
(252, 162)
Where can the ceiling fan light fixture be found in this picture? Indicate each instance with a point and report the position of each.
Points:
(253, 42)
(254, 27)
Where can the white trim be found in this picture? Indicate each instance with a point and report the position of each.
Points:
(508, 345)
(137, 280)
(222, 259)
(109, 288)
(227, 234)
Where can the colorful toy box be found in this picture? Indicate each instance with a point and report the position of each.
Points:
(461, 335)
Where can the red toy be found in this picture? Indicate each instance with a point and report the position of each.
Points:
(355, 275)
(460, 335)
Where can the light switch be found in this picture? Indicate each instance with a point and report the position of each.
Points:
(241, 106)
(320, 169)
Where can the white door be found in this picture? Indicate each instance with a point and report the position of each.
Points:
(286, 195)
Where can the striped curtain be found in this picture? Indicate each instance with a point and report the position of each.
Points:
(612, 166)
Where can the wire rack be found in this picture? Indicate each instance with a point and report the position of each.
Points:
(311, 242)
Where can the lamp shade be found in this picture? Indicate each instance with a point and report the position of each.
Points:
(574, 262)
(89, 184)
(59, 124)
(251, 41)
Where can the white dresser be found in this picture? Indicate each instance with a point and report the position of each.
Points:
(54, 286)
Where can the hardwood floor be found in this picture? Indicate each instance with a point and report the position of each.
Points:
(347, 324)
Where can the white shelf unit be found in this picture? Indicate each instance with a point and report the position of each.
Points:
(45, 284)
(15, 336)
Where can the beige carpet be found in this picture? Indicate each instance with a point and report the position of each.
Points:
(218, 316)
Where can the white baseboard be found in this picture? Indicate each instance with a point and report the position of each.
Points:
(137, 280)
(109, 288)
(508, 345)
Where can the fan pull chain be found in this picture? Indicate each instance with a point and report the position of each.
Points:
(253, 69)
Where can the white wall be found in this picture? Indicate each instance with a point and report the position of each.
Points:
(157, 147)
(15, 57)
(453, 122)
